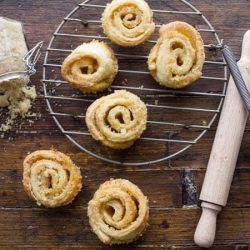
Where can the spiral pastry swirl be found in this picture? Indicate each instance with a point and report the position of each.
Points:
(128, 22)
(178, 57)
(51, 178)
(91, 67)
(118, 212)
(117, 120)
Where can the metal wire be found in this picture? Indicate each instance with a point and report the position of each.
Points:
(159, 92)
(30, 61)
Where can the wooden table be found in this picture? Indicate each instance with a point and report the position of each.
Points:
(172, 225)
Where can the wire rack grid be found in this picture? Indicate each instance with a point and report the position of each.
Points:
(174, 132)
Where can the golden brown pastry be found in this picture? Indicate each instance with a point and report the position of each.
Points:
(91, 67)
(117, 120)
(178, 57)
(118, 212)
(51, 178)
(128, 22)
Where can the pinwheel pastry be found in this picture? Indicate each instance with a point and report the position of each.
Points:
(178, 56)
(91, 67)
(128, 22)
(118, 212)
(117, 120)
(51, 178)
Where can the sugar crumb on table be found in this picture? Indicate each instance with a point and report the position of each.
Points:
(18, 101)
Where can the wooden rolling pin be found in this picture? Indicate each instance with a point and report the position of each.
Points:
(225, 150)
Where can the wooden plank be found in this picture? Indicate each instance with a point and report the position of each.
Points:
(168, 188)
(44, 227)
(163, 188)
(75, 108)
(16, 147)
(168, 192)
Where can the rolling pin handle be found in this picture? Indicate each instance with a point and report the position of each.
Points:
(205, 231)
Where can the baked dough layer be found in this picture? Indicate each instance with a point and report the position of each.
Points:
(117, 120)
(118, 212)
(177, 58)
(91, 67)
(128, 22)
(51, 178)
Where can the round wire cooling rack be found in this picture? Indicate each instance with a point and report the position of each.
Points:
(177, 118)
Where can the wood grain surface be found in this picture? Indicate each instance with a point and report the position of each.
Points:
(172, 186)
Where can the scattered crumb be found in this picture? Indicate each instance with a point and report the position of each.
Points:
(58, 84)
(156, 102)
(53, 148)
(125, 82)
(190, 206)
(38, 204)
(204, 122)
(30, 122)
(19, 102)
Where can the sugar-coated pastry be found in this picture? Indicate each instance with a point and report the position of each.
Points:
(51, 178)
(177, 58)
(118, 212)
(117, 120)
(91, 67)
(128, 22)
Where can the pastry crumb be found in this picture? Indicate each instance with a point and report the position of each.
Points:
(125, 82)
(204, 122)
(18, 101)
